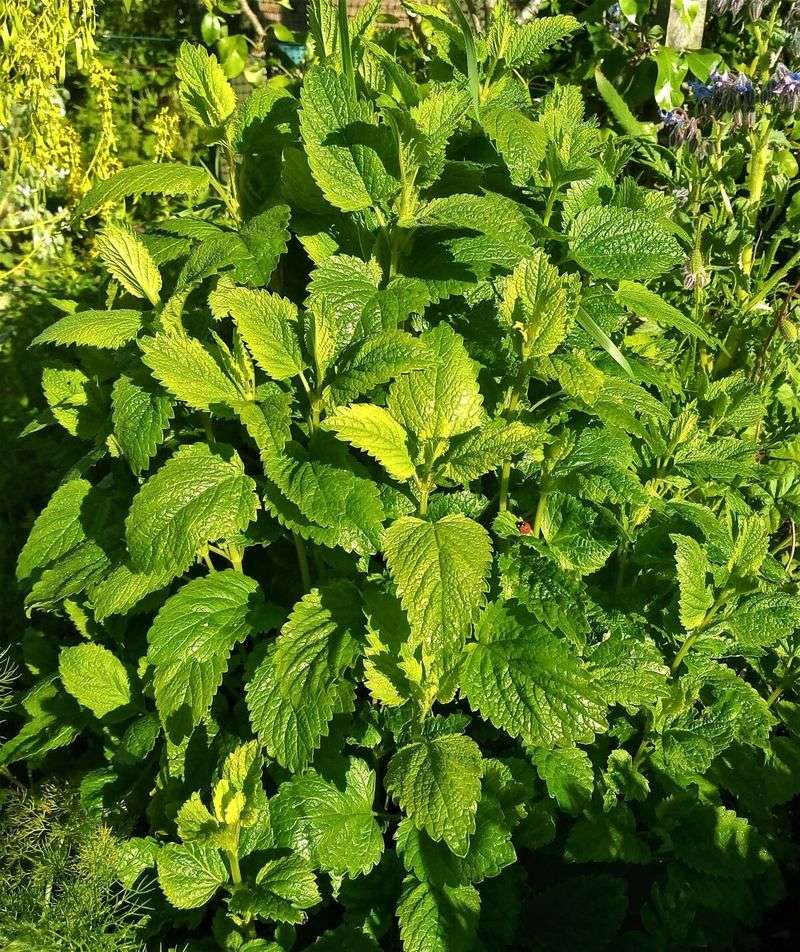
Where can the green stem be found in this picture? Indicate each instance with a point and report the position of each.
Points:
(685, 647)
(302, 561)
(518, 391)
(551, 200)
(538, 517)
(424, 492)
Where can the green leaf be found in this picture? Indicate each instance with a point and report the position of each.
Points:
(199, 495)
(262, 241)
(57, 530)
(639, 300)
(206, 95)
(95, 678)
(438, 919)
(140, 416)
(444, 399)
(527, 682)
(344, 145)
(606, 837)
(569, 776)
(334, 827)
(530, 40)
(490, 850)
(763, 620)
(295, 691)
(190, 874)
(375, 431)
(692, 567)
(620, 111)
(190, 641)
(521, 142)
(128, 261)
(620, 243)
(269, 326)
(374, 361)
(188, 371)
(283, 888)
(437, 782)
(168, 178)
(540, 304)
(107, 329)
(483, 450)
(441, 571)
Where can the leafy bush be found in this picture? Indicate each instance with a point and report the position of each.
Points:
(431, 586)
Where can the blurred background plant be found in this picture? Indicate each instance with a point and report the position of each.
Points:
(59, 886)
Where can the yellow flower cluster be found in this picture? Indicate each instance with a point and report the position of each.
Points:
(166, 128)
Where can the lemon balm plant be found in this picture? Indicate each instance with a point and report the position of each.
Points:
(424, 589)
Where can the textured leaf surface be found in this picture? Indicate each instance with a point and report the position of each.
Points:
(343, 145)
(692, 567)
(197, 496)
(128, 261)
(375, 431)
(444, 399)
(95, 677)
(490, 850)
(526, 681)
(190, 641)
(622, 243)
(188, 371)
(437, 782)
(440, 570)
(167, 178)
(140, 415)
(334, 826)
(190, 874)
(438, 919)
(284, 887)
(206, 95)
(268, 325)
(107, 329)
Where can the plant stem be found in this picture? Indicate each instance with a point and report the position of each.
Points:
(302, 561)
(518, 391)
(684, 651)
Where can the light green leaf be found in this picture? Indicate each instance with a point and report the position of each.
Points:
(620, 243)
(375, 431)
(128, 261)
(198, 495)
(521, 142)
(140, 415)
(283, 888)
(692, 567)
(188, 371)
(483, 450)
(540, 303)
(206, 95)
(441, 571)
(57, 530)
(163, 178)
(95, 678)
(297, 688)
(268, 325)
(334, 827)
(374, 361)
(526, 681)
(640, 300)
(107, 329)
(530, 40)
(344, 144)
(438, 919)
(437, 782)
(190, 874)
(190, 641)
(444, 399)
